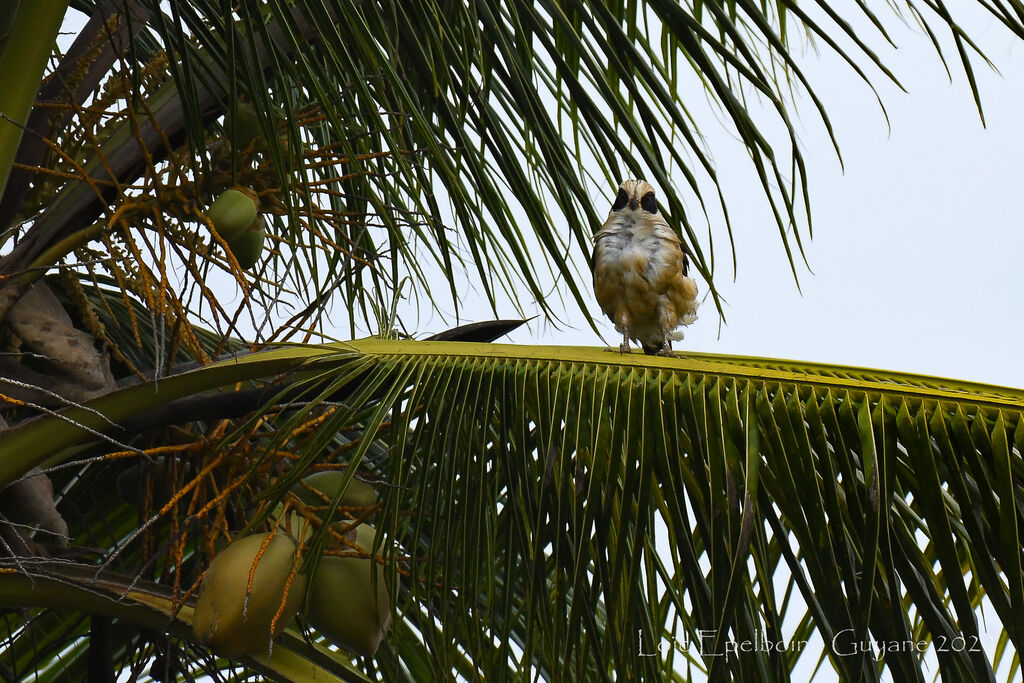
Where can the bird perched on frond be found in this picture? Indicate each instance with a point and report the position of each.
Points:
(640, 272)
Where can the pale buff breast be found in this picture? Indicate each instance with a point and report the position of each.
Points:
(639, 281)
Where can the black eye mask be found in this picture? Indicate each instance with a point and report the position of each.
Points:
(620, 201)
(648, 203)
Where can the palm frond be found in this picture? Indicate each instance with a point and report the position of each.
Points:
(563, 463)
(560, 512)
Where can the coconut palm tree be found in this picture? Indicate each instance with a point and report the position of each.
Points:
(190, 189)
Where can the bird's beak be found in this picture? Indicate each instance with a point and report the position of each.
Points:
(633, 203)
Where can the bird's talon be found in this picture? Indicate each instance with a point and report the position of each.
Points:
(624, 348)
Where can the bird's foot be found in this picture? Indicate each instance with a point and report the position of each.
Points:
(624, 346)
(666, 350)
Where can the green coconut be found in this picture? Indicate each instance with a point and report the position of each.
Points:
(349, 602)
(328, 482)
(247, 127)
(224, 620)
(233, 212)
(248, 247)
(296, 526)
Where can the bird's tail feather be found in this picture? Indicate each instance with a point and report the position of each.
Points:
(651, 349)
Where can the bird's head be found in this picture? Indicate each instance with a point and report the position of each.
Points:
(635, 194)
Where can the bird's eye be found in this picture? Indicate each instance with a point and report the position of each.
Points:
(648, 203)
(620, 200)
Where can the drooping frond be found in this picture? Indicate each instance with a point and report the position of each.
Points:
(417, 142)
(561, 512)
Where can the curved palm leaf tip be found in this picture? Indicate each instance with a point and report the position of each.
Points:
(356, 126)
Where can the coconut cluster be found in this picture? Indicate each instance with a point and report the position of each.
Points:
(236, 218)
(235, 214)
(254, 587)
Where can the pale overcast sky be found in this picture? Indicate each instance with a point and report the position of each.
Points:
(916, 247)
